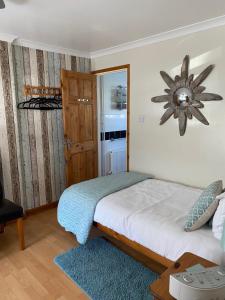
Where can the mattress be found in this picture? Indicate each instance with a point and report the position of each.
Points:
(153, 213)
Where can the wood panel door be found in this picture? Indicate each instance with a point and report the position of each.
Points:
(80, 126)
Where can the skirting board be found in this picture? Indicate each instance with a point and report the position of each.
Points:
(39, 209)
(36, 210)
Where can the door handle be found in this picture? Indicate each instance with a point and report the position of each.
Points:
(110, 163)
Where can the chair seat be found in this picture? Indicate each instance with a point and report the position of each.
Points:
(9, 211)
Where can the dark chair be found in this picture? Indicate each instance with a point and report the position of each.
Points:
(10, 211)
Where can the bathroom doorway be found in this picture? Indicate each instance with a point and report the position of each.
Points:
(113, 120)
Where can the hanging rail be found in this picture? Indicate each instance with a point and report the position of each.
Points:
(41, 98)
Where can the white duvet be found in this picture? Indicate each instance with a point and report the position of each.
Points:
(152, 213)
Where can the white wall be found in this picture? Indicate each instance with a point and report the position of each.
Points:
(198, 157)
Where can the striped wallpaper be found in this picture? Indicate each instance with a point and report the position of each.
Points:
(31, 142)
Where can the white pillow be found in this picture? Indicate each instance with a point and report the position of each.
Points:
(219, 220)
(220, 196)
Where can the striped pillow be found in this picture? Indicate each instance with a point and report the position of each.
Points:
(204, 208)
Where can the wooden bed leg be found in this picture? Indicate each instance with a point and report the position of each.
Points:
(2, 228)
(20, 230)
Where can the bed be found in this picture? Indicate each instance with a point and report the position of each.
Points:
(152, 213)
(146, 214)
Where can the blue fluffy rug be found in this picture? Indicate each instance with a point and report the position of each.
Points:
(105, 273)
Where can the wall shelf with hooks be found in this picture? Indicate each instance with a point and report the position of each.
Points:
(41, 98)
(41, 91)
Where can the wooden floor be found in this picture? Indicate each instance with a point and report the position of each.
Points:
(31, 274)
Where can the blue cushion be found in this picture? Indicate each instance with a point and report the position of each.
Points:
(204, 208)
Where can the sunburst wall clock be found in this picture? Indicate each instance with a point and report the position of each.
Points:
(185, 96)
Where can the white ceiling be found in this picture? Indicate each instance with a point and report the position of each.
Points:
(91, 25)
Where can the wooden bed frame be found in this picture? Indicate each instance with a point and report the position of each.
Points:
(162, 261)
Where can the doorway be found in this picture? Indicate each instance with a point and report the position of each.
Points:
(91, 147)
(113, 120)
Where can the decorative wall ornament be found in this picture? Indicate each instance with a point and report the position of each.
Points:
(185, 95)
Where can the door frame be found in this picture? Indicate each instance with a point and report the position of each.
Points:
(113, 69)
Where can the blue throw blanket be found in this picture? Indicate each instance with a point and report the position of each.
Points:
(77, 204)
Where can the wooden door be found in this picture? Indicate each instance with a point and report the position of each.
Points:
(80, 126)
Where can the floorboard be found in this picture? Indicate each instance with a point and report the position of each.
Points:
(31, 274)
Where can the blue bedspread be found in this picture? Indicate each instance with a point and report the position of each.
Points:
(78, 202)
